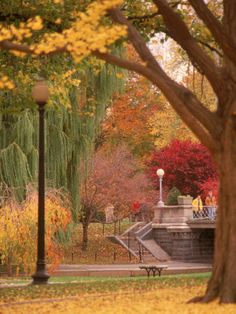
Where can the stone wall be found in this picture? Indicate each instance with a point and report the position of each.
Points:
(183, 243)
(186, 245)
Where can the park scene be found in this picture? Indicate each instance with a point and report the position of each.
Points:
(117, 156)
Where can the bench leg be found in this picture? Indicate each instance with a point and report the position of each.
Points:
(159, 271)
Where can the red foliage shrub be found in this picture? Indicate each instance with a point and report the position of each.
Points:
(187, 166)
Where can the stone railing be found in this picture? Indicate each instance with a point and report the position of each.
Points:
(172, 214)
(181, 214)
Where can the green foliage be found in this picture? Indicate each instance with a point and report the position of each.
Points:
(172, 197)
(72, 124)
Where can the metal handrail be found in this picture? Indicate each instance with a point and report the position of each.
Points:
(207, 212)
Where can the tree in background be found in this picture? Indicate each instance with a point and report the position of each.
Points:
(165, 126)
(128, 116)
(187, 166)
(114, 178)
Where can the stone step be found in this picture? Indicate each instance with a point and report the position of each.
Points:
(156, 250)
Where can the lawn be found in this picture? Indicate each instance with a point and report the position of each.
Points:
(166, 294)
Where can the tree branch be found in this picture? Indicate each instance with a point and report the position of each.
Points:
(182, 36)
(216, 28)
(205, 124)
(211, 48)
(8, 45)
(143, 17)
(137, 41)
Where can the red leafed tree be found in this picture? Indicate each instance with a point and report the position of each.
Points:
(115, 178)
(187, 166)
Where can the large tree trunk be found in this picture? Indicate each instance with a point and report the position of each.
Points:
(222, 284)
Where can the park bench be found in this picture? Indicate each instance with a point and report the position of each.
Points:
(155, 269)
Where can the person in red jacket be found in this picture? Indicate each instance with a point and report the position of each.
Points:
(136, 209)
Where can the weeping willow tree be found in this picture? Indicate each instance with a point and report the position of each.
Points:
(72, 124)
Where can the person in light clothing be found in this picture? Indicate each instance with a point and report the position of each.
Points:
(211, 205)
(197, 207)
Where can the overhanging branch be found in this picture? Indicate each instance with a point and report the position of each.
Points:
(215, 27)
(182, 36)
(8, 45)
(201, 121)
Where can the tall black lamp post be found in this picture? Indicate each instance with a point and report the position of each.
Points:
(40, 95)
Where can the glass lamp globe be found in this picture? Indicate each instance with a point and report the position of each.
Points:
(40, 92)
(160, 172)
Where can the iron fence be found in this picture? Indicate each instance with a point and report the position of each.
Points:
(206, 212)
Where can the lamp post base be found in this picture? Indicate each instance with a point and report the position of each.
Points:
(160, 204)
(40, 277)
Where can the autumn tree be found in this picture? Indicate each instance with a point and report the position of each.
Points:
(216, 130)
(115, 178)
(187, 166)
(128, 116)
(165, 125)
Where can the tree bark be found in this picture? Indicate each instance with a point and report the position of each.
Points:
(222, 284)
(85, 237)
(9, 264)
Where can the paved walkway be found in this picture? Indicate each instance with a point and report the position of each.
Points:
(128, 269)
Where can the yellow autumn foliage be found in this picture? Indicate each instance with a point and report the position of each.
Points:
(18, 231)
(165, 125)
(86, 34)
(166, 301)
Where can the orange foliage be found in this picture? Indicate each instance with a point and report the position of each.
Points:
(127, 119)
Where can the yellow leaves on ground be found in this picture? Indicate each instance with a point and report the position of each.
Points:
(98, 244)
(167, 300)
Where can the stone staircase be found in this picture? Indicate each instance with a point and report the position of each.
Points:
(137, 241)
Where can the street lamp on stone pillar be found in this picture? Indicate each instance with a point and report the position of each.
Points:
(40, 95)
(160, 174)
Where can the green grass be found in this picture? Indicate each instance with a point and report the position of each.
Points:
(68, 279)
(78, 286)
